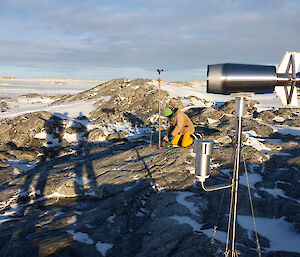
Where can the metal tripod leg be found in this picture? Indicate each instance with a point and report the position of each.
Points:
(240, 106)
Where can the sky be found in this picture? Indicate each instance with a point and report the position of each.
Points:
(107, 39)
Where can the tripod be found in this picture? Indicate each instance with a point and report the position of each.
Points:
(240, 99)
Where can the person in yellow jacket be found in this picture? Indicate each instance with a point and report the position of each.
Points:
(181, 127)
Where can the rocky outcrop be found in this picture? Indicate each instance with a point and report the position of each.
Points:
(134, 200)
(71, 187)
(133, 101)
(229, 107)
(3, 107)
(283, 116)
(22, 130)
(123, 100)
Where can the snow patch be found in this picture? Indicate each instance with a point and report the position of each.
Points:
(82, 181)
(211, 121)
(8, 215)
(278, 192)
(279, 232)
(128, 188)
(72, 138)
(220, 235)
(254, 142)
(287, 130)
(187, 220)
(111, 218)
(58, 213)
(81, 237)
(103, 247)
(253, 179)
(72, 220)
(279, 119)
(181, 199)
(22, 164)
(191, 170)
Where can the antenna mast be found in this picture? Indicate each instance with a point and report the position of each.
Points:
(159, 107)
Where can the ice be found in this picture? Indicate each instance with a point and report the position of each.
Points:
(8, 215)
(280, 233)
(58, 213)
(196, 90)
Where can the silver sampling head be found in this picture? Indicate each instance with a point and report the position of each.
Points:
(230, 78)
(204, 150)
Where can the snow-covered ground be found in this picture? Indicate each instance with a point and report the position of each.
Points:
(44, 87)
(20, 104)
(266, 101)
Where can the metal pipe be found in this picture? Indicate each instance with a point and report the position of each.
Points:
(159, 114)
(240, 103)
(215, 188)
(159, 107)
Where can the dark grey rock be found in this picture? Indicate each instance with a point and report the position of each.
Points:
(267, 115)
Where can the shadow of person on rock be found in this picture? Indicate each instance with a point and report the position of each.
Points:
(31, 201)
(53, 129)
(85, 179)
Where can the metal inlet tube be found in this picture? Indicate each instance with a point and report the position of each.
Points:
(204, 150)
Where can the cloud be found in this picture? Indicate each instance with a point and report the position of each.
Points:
(179, 35)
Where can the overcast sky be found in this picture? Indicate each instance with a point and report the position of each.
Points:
(106, 39)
